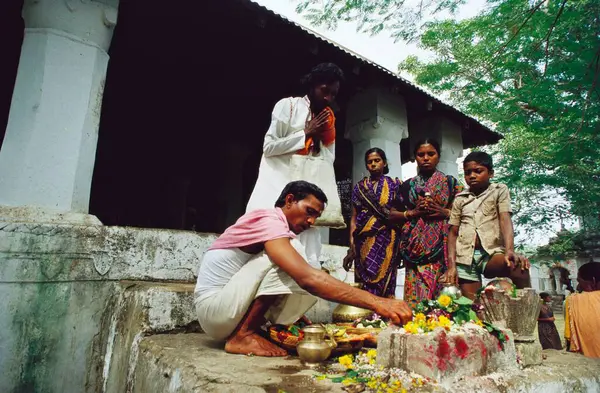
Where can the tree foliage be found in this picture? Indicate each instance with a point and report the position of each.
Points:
(529, 69)
(402, 19)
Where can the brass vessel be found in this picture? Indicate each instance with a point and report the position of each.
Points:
(313, 348)
(451, 290)
(344, 313)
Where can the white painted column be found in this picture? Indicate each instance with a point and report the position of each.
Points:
(47, 158)
(376, 118)
(452, 147)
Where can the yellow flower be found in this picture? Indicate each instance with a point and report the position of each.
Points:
(411, 328)
(444, 300)
(444, 322)
(478, 322)
(372, 356)
(346, 360)
(372, 384)
(417, 382)
(348, 381)
(420, 317)
(403, 390)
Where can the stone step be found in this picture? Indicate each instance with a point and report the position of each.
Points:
(190, 363)
(143, 308)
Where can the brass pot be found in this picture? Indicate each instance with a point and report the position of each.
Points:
(313, 348)
(345, 313)
(451, 290)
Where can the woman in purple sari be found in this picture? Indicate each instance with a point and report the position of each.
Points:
(373, 239)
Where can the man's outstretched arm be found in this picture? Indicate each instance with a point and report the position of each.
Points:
(282, 253)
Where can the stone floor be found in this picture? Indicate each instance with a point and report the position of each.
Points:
(194, 363)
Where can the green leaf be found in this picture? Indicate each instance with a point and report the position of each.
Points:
(294, 330)
(473, 316)
(461, 316)
(463, 301)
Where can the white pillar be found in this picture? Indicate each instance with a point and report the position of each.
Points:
(448, 134)
(376, 118)
(48, 154)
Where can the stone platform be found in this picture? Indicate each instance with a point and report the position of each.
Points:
(179, 363)
(445, 356)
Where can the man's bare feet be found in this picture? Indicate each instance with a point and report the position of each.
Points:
(253, 344)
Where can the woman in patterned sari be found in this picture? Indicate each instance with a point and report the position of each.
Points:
(373, 240)
(427, 200)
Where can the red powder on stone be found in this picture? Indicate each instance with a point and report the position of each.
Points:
(461, 348)
(443, 352)
(482, 346)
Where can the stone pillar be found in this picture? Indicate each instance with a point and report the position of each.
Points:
(47, 159)
(448, 134)
(376, 118)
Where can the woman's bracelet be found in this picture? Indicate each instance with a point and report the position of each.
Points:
(406, 215)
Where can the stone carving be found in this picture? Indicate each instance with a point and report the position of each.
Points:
(519, 314)
(102, 262)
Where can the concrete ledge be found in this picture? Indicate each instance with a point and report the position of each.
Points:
(34, 252)
(560, 372)
(31, 214)
(178, 363)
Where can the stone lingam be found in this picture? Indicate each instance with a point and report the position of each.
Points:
(446, 341)
(446, 356)
(517, 310)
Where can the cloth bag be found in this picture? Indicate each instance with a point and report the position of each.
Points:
(319, 170)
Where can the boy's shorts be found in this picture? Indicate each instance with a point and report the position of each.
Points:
(474, 271)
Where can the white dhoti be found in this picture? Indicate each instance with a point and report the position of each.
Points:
(221, 311)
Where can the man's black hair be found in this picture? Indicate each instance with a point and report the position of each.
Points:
(480, 157)
(324, 73)
(300, 189)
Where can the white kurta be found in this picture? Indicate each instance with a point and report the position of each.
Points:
(284, 138)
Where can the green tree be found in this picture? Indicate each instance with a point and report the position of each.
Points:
(529, 69)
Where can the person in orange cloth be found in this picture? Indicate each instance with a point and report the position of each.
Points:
(299, 125)
(582, 313)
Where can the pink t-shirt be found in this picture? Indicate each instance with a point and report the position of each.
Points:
(257, 226)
